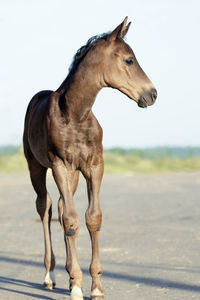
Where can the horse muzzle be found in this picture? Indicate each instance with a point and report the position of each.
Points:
(148, 98)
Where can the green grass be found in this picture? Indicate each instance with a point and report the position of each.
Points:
(12, 163)
(120, 161)
(115, 163)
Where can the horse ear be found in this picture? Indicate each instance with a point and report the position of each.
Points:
(120, 31)
(126, 30)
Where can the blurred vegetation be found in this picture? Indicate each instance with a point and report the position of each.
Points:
(12, 159)
(119, 160)
(157, 160)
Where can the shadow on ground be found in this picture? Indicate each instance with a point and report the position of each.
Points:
(35, 286)
(22, 283)
(150, 281)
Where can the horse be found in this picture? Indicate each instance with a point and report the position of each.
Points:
(62, 133)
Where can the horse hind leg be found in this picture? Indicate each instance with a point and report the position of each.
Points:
(44, 209)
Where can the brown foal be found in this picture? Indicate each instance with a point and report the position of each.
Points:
(62, 133)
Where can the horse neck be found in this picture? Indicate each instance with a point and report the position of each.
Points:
(80, 92)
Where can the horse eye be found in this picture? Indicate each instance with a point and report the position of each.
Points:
(129, 61)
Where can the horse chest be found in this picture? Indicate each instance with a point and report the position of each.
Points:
(79, 147)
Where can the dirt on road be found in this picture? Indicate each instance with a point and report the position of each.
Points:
(150, 238)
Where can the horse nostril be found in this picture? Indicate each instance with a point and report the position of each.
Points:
(153, 94)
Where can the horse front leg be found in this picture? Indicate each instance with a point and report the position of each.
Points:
(93, 218)
(65, 179)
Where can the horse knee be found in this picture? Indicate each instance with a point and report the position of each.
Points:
(68, 220)
(93, 220)
(71, 223)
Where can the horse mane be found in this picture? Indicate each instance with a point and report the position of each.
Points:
(77, 59)
(81, 52)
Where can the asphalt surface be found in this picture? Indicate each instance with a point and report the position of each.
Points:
(150, 238)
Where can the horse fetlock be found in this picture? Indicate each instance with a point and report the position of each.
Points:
(96, 272)
(50, 281)
(75, 279)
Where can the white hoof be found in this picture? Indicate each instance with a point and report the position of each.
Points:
(50, 281)
(76, 293)
(96, 295)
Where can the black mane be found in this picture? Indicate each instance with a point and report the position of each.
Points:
(80, 54)
(78, 57)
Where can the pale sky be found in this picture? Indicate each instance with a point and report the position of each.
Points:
(40, 37)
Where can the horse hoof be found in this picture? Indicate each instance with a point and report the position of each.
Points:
(49, 286)
(76, 293)
(96, 294)
(76, 298)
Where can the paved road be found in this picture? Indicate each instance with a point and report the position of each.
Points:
(150, 239)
